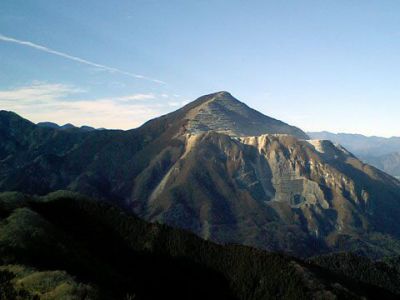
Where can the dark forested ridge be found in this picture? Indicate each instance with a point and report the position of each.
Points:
(66, 245)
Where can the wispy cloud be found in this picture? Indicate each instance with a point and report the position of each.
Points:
(77, 59)
(37, 92)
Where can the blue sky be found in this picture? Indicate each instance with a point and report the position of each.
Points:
(319, 65)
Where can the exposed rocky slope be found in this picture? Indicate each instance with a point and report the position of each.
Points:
(272, 191)
(219, 169)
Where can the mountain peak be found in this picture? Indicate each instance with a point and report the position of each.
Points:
(221, 112)
(223, 95)
(9, 118)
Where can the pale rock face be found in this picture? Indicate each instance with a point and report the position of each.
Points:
(318, 145)
(288, 180)
(296, 171)
(291, 173)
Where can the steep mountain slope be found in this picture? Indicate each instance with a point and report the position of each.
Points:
(382, 153)
(81, 249)
(270, 191)
(219, 169)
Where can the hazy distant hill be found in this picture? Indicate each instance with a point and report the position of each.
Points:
(219, 169)
(390, 163)
(383, 153)
(65, 246)
(63, 127)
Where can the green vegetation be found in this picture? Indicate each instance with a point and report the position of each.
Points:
(65, 246)
(19, 282)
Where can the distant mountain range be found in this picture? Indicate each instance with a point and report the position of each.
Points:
(380, 152)
(219, 169)
(63, 127)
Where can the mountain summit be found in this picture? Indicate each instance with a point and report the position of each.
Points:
(221, 112)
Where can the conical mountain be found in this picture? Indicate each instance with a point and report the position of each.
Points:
(221, 112)
(221, 170)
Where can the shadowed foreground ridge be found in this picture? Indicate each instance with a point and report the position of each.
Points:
(84, 249)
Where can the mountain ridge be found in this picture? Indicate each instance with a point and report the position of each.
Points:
(272, 190)
(381, 152)
(80, 248)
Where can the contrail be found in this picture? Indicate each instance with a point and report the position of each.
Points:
(77, 59)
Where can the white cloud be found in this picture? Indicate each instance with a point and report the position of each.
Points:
(55, 103)
(103, 113)
(77, 59)
(38, 91)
